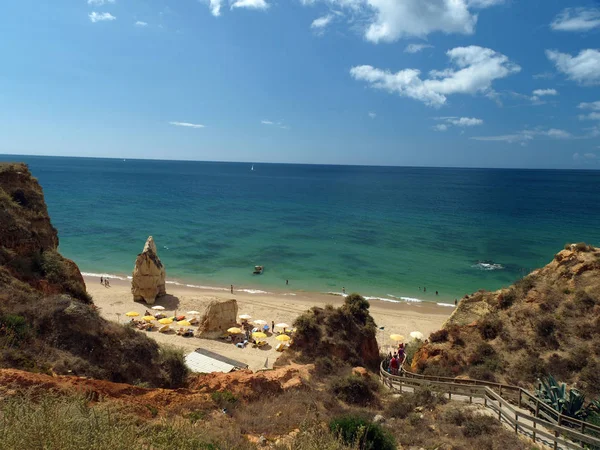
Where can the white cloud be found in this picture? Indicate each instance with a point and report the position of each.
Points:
(215, 7)
(585, 158)
(416, 48)
(591, 116)
(475, 70)
(583, 68)
(577, 19)
(522, 137)
(465, 121)
(390, 20)
(250, 4)
(441, 127)
(372, 115)
(542, 92)
(594, 106)
(100, 17)
(543, 76)
(99, 2)
(186, 124)
(322, 22)
(267, 122)
(139, 23)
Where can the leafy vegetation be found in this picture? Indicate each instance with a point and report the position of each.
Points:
(356, 430)
(355, 389)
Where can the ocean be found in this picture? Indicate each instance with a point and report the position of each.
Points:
(385, 232)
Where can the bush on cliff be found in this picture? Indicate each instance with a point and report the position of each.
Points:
(358, 431)
(347, 334)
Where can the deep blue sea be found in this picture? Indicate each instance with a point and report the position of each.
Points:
(382, 231)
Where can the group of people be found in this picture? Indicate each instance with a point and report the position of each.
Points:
(394, 362)
(104, 282)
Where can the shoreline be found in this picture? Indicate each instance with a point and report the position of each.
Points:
(400, 318)
(254, 290)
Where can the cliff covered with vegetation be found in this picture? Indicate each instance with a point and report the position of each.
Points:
(546, 323)
(48, 322)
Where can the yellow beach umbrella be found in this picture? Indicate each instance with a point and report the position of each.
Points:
(149, 318)
(166, 321)
(234, 330)
(283, 337)
(259, 335)
(397, 337)
(132, 314)
(184, 323)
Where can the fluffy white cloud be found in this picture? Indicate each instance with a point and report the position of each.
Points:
(522, 137)
(215, 7)
(594, 106)
(322, 22)
(441, 127)
(590, 116)
(372, 115)
(464, 121)
(100, 17)
(475, 68)
(583, 68)
(390, 20)
(186, 124)
(99, 2)
(542, 92)
(577, 19)
(267, 122)
(416, 48)
(250, 4)
(139, 23)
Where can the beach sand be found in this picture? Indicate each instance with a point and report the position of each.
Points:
(400, 318)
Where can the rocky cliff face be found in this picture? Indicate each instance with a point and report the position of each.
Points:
(148, 281)
(29, 242)
(546, 323)
(48, 322)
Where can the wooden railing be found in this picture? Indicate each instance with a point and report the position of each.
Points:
(542, 423)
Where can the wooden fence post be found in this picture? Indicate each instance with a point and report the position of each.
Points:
(534, 428)
(555, 439)
(516, 423)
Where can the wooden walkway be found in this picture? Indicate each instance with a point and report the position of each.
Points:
(514, 406)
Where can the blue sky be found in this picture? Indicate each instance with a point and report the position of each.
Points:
(471, 83)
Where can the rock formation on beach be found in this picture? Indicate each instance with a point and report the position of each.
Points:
(218, 317)
(148, 281)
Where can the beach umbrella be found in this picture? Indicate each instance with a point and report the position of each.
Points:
(283, 337)
(234, 330)
(158, 308)
(260, 322)
(416, 335)
(166, 321)
(132, 314)
(259, 335)
(245, 317)
(282, 325)
(184, 323)
(193, 313)
(149, 318)
(397, 337)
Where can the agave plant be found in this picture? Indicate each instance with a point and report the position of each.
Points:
(570, 402)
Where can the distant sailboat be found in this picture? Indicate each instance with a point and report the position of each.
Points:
(252, 168)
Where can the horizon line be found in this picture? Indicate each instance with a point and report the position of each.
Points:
(296, 163)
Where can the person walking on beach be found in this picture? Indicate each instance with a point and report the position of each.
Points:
(101, 280)
(106, 283)
(232, 288)
(343, 290)
(272, 326)
(455, 302)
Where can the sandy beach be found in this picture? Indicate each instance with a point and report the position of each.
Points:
(400, 318)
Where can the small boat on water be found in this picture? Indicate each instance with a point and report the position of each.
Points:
(258, 270)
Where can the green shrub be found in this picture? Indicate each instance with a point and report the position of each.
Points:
(428, 397)
(411, 349)
(482, 353)
(545, 327)
(356, 430)
(590, 376)
(525, 284)
(324, 365)
(355, 389)
(401, 407)
(456, 416)
(506, 299)
(173, 362)
(14, 330)
(481, 373)
(478, 426)
(439, 336)
(583, 301)
(489, 327)
(224, 399)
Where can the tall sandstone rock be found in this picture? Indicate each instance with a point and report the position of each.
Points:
(218, 317)
(149, 275)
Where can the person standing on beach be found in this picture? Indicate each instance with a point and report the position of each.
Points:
(455, 302)
(272, 326)
(343, 290)
(232, 288)
(101, 280)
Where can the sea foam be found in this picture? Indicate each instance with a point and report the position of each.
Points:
(486, 265)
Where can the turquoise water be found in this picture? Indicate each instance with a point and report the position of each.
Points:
(381, 231)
